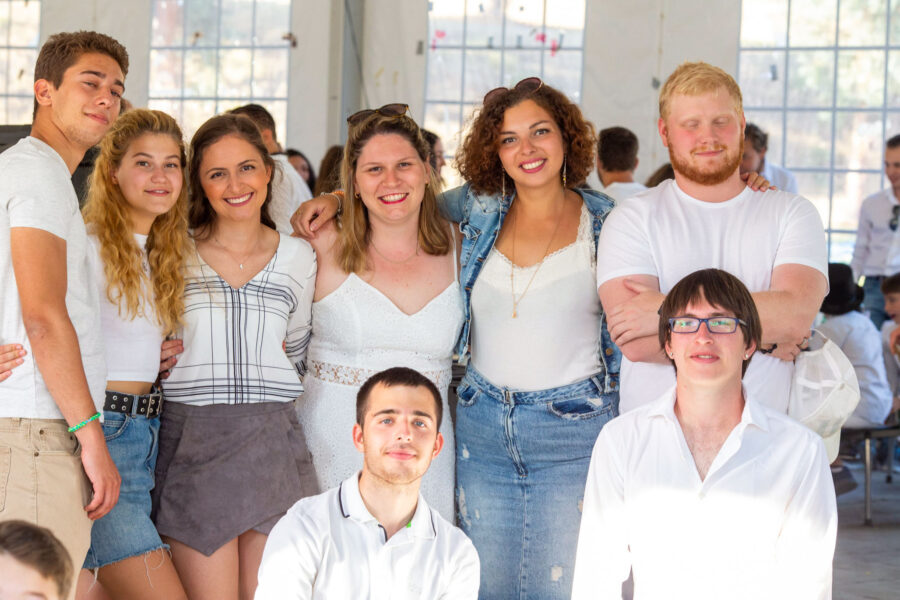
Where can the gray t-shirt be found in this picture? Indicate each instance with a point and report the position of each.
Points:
(36, 191)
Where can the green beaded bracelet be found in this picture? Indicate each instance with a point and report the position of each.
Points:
(75, 428)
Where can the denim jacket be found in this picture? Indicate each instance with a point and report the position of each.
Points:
(480, 218)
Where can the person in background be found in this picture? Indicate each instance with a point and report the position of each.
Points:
(436, 158)
(876, 255)
(374, 535)
(756, 144)
(706, 492)
(330, 171)
(617, 158)
(289, 189)
(303, 167)
(34, 565)
(661, 174)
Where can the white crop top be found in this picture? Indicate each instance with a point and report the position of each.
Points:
(132, 345)
(554, 338)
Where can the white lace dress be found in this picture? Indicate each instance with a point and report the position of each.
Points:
(357, 331)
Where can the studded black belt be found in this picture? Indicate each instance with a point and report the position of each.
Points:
(145, 405)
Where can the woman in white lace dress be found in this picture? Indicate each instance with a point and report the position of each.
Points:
(386, 294)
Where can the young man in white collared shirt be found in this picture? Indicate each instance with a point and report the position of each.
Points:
(374, 536)
(706, 492)
(875, 254)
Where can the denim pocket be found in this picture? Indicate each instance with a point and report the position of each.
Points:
(581, 408)
(5, 459)
(465, 395)
(114, 427)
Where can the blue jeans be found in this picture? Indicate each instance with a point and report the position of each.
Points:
(127, 530)
(874, 300)
(521, 463)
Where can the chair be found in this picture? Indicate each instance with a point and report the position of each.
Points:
(875, 433)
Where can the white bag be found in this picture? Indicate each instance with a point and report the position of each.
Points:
(824, 391)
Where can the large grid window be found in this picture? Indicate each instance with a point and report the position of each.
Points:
(822, 77)
(478, 45)
(20, 28)
(208, 56)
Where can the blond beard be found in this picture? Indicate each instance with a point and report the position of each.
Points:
(692, 173)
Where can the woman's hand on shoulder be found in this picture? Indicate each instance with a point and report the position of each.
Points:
(756, 182)
(313, 215)
(10, 358)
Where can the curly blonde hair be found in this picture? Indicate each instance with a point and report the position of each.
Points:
(434, 231)
(478, 159)
(106, 212)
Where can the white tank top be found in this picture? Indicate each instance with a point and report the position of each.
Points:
(554, 339)
(132, 345)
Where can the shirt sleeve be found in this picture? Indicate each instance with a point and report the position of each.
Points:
(290, 561)
(805, 547)
(41, 208)
(624, 247)
(803, 239)
(452, 203)
(861, 247)
(299, 326)
(602, 561)
(466, 575)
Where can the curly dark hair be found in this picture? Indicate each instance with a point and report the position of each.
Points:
(478, 160)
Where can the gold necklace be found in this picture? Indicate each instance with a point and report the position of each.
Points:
(391, 260)
(512, 265)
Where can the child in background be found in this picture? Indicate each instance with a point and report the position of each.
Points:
(33, 563)
(890, 287)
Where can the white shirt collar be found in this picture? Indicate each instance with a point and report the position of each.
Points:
(664, 406)
(352, 506)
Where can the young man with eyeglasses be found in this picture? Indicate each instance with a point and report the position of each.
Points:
(706, 492)
(876, 254)
(773, 241)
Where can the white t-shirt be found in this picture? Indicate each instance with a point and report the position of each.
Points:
(667, 234)
(289, 191)
(132, 344)
(857, 337)
(36, 191)
(762, 524)
(330, 546)
(620, 191)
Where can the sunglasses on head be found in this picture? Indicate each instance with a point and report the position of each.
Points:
(394, 111)
(529, 85)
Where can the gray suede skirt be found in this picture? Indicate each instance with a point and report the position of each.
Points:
(224, 469)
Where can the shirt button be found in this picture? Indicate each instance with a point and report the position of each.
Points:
(37, 453)
(609, 351)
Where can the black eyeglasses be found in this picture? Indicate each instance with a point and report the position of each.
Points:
(529, 85)
(394, 111)
(713, 324)
(895, 220)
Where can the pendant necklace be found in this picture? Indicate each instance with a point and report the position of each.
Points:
(512, 265)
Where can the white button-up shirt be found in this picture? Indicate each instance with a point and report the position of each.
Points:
(780, 177)
(761, 525)
(330, 546)
(877, 249)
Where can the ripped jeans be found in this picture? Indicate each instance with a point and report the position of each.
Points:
(521, 463)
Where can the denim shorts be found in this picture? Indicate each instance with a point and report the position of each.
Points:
(127, 530)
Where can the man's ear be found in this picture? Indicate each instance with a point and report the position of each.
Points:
(438, 444)
(358, 437)
(42, 92)
(663, 132)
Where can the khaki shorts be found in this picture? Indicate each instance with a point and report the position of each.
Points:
(42, 481)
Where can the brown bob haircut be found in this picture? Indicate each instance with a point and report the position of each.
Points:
(719, 288)
(478, 160)
(395, 376)
(201, 215)
(62, 50)
(37, 548)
